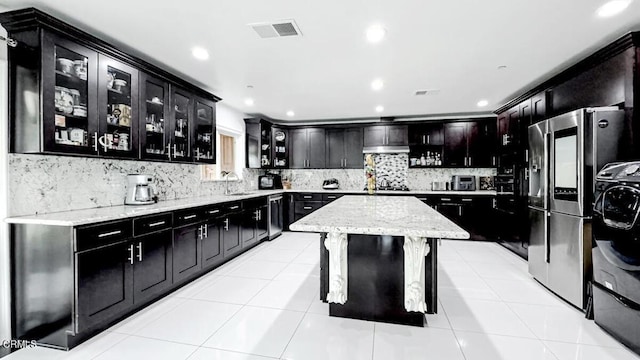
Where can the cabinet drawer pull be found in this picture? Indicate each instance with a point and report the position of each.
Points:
(467, 200)
(331, 197)
(189, 217)
(157, 223)
(445, 199)
(110, 233)
(214, 211)
(234, 207)
(308, 208)
(307, 197)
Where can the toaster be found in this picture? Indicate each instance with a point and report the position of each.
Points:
(463, 183)
(330, 184)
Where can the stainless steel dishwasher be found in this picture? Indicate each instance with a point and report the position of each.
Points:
(276, 216)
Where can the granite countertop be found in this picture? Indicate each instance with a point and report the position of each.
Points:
(390, 192)
(96, 215)
(380, 215)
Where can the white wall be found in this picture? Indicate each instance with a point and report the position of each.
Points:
(230, 121)
(5, 286)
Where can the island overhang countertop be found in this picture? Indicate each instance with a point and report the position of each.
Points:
(380, 215)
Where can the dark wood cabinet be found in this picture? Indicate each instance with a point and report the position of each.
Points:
(118, 108)
(104, 279)
(187, 251)
(155, 107)
(426, 134)
(344, 148)
(539, 107)
(262, 230)
(455, 147)
(231, 240)
(386, 135)
(204, 131)
(92, 99)
(307, 148)
(69, 100)
(212, 244)
(153, 266)
(249, 229)
(469, 144)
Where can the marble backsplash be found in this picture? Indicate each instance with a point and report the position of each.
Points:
(44, 183)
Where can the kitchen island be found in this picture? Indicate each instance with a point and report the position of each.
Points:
(379, 256)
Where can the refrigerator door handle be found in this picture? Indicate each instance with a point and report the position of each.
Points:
(546, 169)
(547, 255)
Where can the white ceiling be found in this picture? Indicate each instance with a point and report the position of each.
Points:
(454, 46)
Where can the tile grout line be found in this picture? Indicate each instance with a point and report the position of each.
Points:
(284, 350)
(107, 349)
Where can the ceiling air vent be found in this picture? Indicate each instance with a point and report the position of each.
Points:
(276, 29)
(427, 92)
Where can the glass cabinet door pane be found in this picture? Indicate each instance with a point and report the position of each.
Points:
(71, 97)
(203, 142)
(154, 119)
(118, 135)
(181, 126)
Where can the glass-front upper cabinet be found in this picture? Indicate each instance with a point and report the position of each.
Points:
(204, 148)
(182, 110)
(69, 97)
(118, 108)
(154, 107)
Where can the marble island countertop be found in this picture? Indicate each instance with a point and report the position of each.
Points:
(380, 215)
(96, 215)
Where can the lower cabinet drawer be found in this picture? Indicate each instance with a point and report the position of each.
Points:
(307, 196)
(93, 236)
(303, 208)
(154, 223)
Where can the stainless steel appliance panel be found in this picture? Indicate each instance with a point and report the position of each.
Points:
(566, 168)
(276, 216)
(538, 244)
(538, 165)
(569, 256)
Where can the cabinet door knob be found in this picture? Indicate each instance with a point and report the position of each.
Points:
(206, 230)
(169, 150)
(200, 232)
(95, 141)
(428, 139)
(226, 224)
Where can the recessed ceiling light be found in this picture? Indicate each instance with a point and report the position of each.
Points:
(290, 113)
(200, 53)
(379, 108)
(483, 103)
(375, 33)
(613, 7)
(377, 84)
(248, 102)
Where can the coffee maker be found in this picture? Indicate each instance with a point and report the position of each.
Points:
(139, 190)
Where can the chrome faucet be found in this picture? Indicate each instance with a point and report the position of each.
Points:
(226, 175)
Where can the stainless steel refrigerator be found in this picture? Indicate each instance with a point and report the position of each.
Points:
(565, 154)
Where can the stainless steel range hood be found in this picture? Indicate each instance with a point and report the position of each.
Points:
(385, 150)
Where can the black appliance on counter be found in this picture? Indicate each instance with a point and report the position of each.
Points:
(616, 252)
(269, 182)
(463, 183)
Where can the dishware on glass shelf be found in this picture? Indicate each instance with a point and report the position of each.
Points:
(119, 84)
(65, 65)
(80, 110)
(75, 96)
(77, 136)
(265, 146)
(111, 76)
(63, 100)
(156, 100)
(80, 69)
(279, 136)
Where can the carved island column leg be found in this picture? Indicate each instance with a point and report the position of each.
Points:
(415, 250)
(336, 243)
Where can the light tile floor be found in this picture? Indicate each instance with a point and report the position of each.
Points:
(264, 305)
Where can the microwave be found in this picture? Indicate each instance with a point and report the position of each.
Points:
(269, 182)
